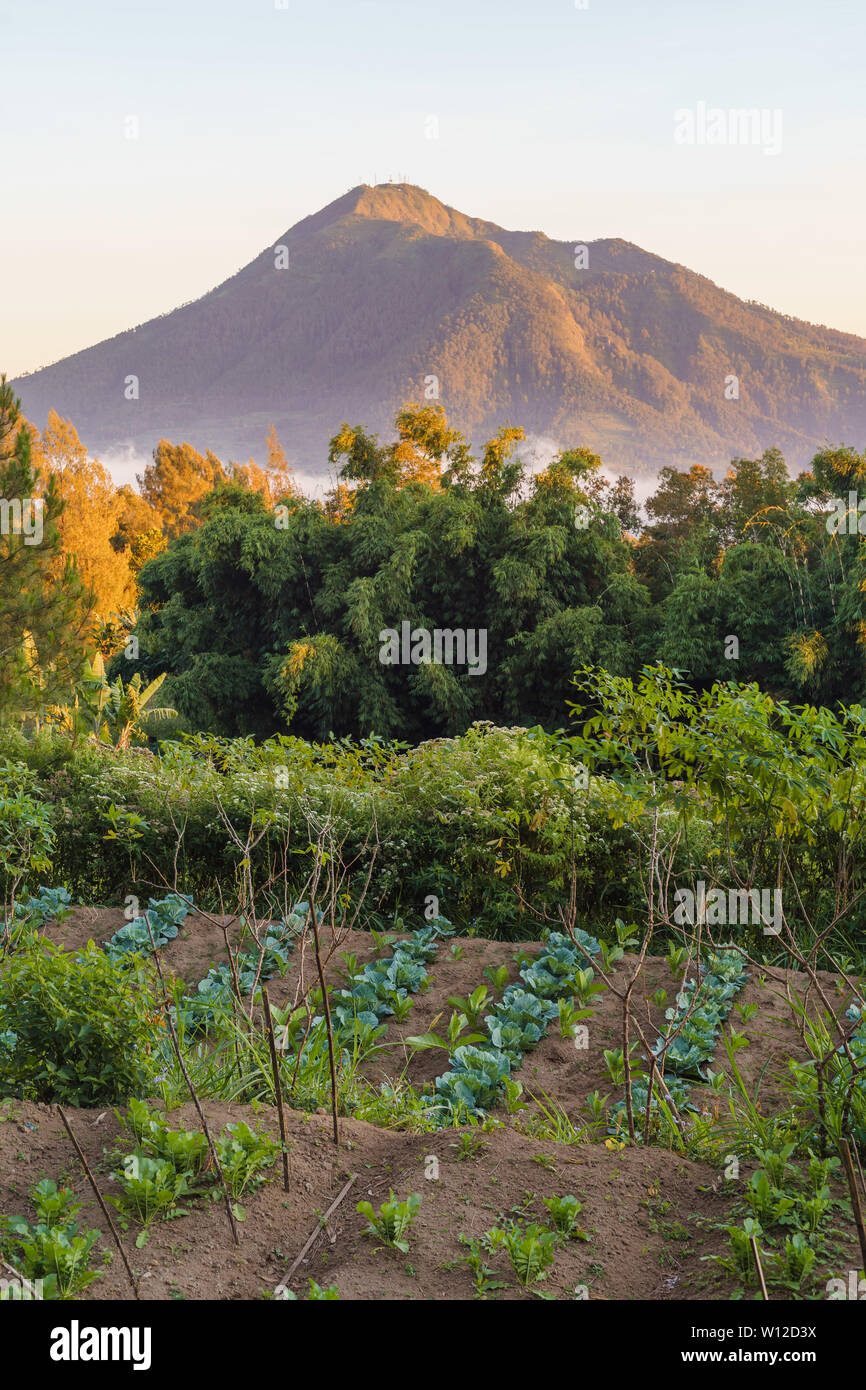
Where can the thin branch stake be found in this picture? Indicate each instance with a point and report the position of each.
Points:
(277, 1087)
(98, 1195)
(327, 1008)
(196, 1102)
(845, 1149)
(758, 1266)
(323, 1221)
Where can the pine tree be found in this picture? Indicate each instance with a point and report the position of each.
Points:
(44, 606)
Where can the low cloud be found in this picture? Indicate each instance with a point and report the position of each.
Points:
(123, 463)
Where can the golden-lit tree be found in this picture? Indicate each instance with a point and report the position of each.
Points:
(90, 516)
(139, 535)
(426, 444)
(176, 481)
(44, 608)
(276, 481)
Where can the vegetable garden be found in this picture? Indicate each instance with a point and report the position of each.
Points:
(315, 1091)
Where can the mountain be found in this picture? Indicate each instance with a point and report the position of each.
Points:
(387, 287)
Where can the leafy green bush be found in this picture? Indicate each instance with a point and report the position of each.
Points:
(77, 1030)
(441, 810)
(564, 1212)
(243, 1157)
(26, 834)
(531, 1249)
(186, 1149)
(54, 1250)
(150, 1187)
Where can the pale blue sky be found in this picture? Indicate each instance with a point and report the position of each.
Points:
(550, 117)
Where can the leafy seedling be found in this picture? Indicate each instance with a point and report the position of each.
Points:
(243, 1156)
(531, 1250)
(481, 1272)
(469, 1145)
(150, 1187)
(393, 1219)
(564, 1212)
(474, 1006)
(498, 976)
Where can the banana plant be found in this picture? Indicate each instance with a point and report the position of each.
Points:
(126, 710)
(111, 711)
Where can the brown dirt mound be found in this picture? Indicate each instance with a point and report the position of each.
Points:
(633, 1251)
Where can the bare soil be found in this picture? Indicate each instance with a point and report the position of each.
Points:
(650, 1217)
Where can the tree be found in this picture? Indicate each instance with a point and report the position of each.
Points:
(684, 501)
(177, 479)
(119, 712)
(90, 517)
(44, 606)
(138, 534)
(755, 495)
(257, 624)
(622, 502)
(276, 481)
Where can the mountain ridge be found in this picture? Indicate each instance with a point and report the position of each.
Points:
(387, 288)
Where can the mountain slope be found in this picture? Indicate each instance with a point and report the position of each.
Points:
(387, 286)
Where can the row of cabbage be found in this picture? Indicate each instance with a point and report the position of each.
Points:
(478, 1072)
(688, 1042)
(134, 938)
(30, 915)
(378, 990)
(151, 931)
(214, 995)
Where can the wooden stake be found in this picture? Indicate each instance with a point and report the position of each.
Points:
(757, 1256)
(98, 1195)
(277, 1087)
(845, 1150)
(328, 1025)
(318, 1231)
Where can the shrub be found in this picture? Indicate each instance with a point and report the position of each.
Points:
(75, 1029)
(440, 810)
(26, 836)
